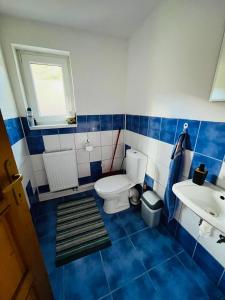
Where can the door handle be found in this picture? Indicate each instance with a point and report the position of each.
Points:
(16, 179)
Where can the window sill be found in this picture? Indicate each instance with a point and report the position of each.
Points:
(38, 127)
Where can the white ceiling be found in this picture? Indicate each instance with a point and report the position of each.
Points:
(114, 17)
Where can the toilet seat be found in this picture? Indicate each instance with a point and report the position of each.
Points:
(113, 184)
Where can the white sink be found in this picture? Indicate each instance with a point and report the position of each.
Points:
(207, 201)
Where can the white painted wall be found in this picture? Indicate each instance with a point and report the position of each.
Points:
(98, 62)
(7, 103)
(172, 60)
(9, 110)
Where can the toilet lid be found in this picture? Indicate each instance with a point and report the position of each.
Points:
(112, 184)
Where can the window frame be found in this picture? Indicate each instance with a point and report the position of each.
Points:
(26, 57)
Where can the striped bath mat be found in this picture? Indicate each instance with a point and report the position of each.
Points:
(80, 230)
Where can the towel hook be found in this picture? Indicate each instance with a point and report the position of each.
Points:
(185, 126)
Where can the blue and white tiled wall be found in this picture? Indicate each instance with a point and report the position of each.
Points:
(100, 130)
(155, 136)
(19, 147)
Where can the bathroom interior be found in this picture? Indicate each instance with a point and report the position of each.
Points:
(112, 149)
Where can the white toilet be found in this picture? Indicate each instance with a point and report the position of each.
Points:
(115, 189)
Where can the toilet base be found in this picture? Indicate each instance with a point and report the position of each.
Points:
(116, 203)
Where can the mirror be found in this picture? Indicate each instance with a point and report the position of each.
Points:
(218, 87)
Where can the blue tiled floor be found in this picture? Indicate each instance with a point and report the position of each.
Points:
(142, 263)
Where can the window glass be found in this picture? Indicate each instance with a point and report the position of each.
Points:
(49, 89)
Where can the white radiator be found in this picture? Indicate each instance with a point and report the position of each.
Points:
(61, 170)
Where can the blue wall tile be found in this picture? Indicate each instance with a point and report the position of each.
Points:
(35, 144)
(211, 164)
(211, 139)
(144, 125)
(93, 122)
(149, 181)
(168, 130)
(14, 130)
(43, 188)
(193, 127)
(118, 121)
(82, 124)
(31, 196)
(154, 127)
(85, 180)
(96, 170)
(52, 131)
(135, 123)
(208, 264)
(67, 130)
(127, 147)
(27, 130)
(106, 122)
(128, 122)
(185, 239)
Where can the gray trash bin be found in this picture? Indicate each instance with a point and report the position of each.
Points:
(151, 206)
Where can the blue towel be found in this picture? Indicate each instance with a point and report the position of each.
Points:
(170, 199)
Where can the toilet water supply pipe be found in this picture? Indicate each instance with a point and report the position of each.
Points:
(114, 152)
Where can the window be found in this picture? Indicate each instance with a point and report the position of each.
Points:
(48, 86)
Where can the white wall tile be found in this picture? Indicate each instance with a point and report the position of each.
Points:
(134, 140)
(20, 152)
(84, 170)
(164, 152)
(96, 154)
(82, 156)
(106, 138)
(106, 165)
(41, 177)
(159, 189)
(131, 139)
(94, 138)
(187, 159)
(153, 148)
(51, 143)
(221, 178)
(127, 137)
(161, 174)
(117, 163)
(121, 137)
(190, 221)
(210, 244)
(80, 140)
(27, 172)
(119, 151)
(151, 168)
(106, 152)
(67, 141)
(37, 162)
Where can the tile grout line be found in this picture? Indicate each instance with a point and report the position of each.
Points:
(174, 140)
(103, 265)
(185, 267)
(219, 281)
(196, 244)
(200, 123)
(142, 263)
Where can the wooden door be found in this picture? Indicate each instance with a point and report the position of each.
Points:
(22, 271)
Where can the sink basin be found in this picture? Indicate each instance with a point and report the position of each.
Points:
(207, 201)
